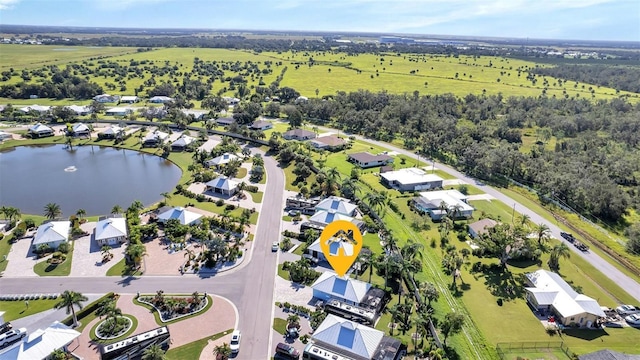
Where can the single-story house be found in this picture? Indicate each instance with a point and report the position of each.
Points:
(331, 286)
(184, 216)
(323, 218)
(154, 138)
(197, 114)
(411, 179)
(367, 160)
(607, 354)
(222, 185)
(106, 98)
(182, 142)
(442, 202)
(41, 343)
(42, 109)
(301, 99)
(299, 134)
(154, 112)
(5, 135)
(39, 130)
(550, 294)
(261, 125)
(52, 234)
(129, 99)
(231, 100)
(118, 111)
(480, 227)
(160, 99)
(80, 129)
(111, 231)
(338, 205)
(111, 132)
(225, 121)
(220, 160)
(330, 142)
(339, 338)
(79, 110)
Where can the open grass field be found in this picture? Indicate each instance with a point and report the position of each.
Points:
(18, 309)
(329, 72)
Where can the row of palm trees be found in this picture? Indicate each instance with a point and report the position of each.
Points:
(10, 213)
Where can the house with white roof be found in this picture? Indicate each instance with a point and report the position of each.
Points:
(548, 293)
(338, 205)
(79, 110)
(106, 98)
(39, 130)
(184, 216)
(231, 100)
(41, 343)
(160, 99)
(222, 185)
(367, 160)
(197, 114)
(5, 135)
(111, 132)
(111, 231)
(443, 202)
(411, 179)
(80, 129)
(42, 109)
(154, 138)
(331, 286)
(340, 339)
(182, 142)
(118, 111)
(129, 99)
(299, 134)
(223, 159)
(261, 125)
(51, 234)
(323, 217)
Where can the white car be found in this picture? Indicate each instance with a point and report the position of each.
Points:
(275, 246)
(633, 320)
(12, 336)
(235, 341)
(625, 310)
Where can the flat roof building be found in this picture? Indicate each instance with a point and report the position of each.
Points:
(411, 179)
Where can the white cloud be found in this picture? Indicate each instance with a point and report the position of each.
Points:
(7, 4)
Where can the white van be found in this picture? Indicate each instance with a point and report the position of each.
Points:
(12, 336)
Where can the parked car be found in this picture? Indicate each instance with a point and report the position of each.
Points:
(287, 351)
(12, 336)
(625, 310)
(5, 327)
(235, 342)
(633, 320)
(568, 237)
(275, 246)
(312, 259)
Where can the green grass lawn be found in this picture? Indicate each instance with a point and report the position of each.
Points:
(280, 325)
(242, 172)
(43, 268)
(122, 269)
(18, 309)
(30, 56)
(194, 349)
(257, 196)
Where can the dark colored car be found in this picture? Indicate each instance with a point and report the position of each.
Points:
(287, 351)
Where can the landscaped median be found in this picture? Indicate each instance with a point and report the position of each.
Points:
(169, 309)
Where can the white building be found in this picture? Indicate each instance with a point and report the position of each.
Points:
(39, 130)
(411, 179)
(79, 110)
(129, 99)
(222, 185)
(160, 99)
(111, 231)
(182, 142)
(51, 234)
(41, 343)
(221, 160)
(331, 286)
(439, 203)
(184, 216)
(80, 129)
(338, 205)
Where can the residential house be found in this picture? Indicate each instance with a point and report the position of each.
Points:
(341, 339)
(41, 343)
(184, 216)
(221, 160)
(182, 143)
(154, 138)
(301, 99)
(160, 99)
(156, 112)
(367, 160)
(222, 185)
(549, 294)
(299, 134)
(5, 135)
(226, 121)
(80, 129)
(443, 202)
(331, 286)
(607, 354)
(112, 132)
(338, 205)
(231, 100)
(330, 142)
(42, 109)
(119, 111)
(481, 227)
(106, 98)
(129, 99)
(411, 179)
(111, 231)
(38, 130)
(51, 234)
(79, 110)
(304, 205)
(261, 125)
(197, 114)
(322, 218)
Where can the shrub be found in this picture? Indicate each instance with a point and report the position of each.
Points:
(64, 247)
(230, 207)
(29, 223)
(19, 232)
(219, 202)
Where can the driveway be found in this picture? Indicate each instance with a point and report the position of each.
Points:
(87, 257)
(21, 259)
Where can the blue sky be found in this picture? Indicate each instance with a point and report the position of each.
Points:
(551, 19)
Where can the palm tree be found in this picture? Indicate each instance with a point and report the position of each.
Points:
(542, 233)
(375, 200)
(105, 250)
(113, 313)
(166, 196)
(524, 220)
(369, 260)
(136, 252)
(429, 292)
(81, 213)
(153, 352)
(11, 212)
(293, 319)
(116, 209)
(69, 300)
(222, 352)
(136, 205)
(52, 211)
(559, 251)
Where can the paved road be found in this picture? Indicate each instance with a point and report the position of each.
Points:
(250, 287)
(615, 275)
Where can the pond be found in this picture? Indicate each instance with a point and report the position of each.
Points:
(92, 178)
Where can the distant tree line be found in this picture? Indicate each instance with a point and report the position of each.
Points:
(618, 77)
(59, 84)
